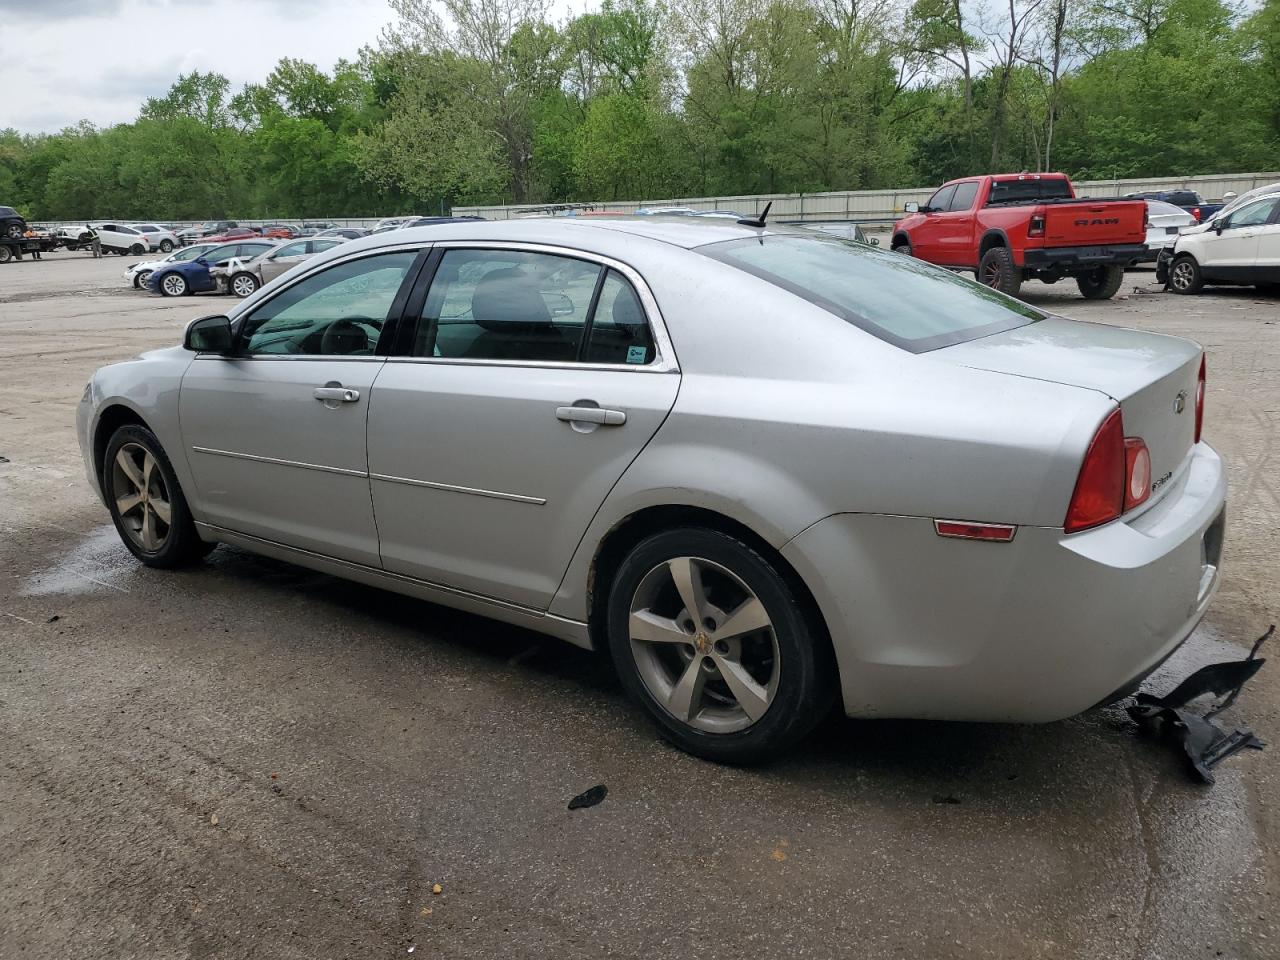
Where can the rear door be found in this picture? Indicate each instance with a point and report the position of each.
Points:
(534, 378)
(1267, 267)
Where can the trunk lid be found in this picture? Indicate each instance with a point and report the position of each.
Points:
(1146, 373)
(1094, 223)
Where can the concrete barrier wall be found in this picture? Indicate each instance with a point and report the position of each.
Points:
(877, 205)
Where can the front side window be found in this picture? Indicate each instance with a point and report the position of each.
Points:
(901, 300)
(291, 250)
(1253, 214)
(217, 254)
(942, 199)
(187, 253)
(506, 305)
(339, 311)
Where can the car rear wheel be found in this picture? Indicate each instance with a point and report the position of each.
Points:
(147, 506)
(166, 246)
(998, 271)
(243, 284)
(13, 230)
(1185, 276)
(717, 646)
(5, 253)
(173, 285)
(1101, 283)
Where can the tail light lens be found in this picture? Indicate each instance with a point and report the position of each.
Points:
(1200, 399)
(1115, 477)
(1195, 212)
(1036, 227)
(1137, 471)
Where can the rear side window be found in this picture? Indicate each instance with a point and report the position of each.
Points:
(964, 195)
(901, 300)
(1027, 191)
(619, 331)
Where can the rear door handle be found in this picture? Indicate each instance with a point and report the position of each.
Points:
(341, 394)
(608, 418)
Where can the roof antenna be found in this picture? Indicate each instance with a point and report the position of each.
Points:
(758, 221)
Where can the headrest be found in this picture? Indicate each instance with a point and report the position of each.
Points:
(507, 299)
(626, 310)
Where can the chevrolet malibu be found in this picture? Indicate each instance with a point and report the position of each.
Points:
(766, 470)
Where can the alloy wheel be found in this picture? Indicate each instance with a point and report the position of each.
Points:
(142, 499)
(991, 275)
(704, 645)
(174, 285)
(243, 285)
(1182, 275)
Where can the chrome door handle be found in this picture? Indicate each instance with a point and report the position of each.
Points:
(343, 394)
(609, 418)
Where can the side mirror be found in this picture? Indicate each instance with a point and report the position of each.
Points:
(208, 335)
(874, 241)
(911, 207)
(1218, 225)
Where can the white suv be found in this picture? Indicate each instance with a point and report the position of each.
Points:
(1242, 247)
(160, 238)
(114, 237)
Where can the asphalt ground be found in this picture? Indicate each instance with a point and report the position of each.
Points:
(251, 760)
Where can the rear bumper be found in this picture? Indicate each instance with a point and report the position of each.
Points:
(1068, 258)
(1034, 630)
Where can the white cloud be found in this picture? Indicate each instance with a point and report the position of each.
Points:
(99, 60)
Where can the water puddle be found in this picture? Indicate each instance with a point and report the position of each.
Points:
(98, 563)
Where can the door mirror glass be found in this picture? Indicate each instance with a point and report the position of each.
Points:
(208, 335)
(1218, 225)
(911, 207)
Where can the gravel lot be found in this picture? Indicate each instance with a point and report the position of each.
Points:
(251, 760)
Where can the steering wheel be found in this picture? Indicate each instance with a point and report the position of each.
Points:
(345, 337)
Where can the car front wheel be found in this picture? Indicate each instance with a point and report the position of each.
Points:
(147, 506)
(998, 271)
(1185, 276)
(717, 646)
(243, 284)
(173, 285)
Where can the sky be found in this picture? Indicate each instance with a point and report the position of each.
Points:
(98, 60)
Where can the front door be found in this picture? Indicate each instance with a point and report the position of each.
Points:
(284, 258)
(926, 239)
(535, 379)
(1232, 254)
(275, 434)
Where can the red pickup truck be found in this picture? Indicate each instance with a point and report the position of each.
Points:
(1018, 226)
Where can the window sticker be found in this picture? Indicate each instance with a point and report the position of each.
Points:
(636, 354)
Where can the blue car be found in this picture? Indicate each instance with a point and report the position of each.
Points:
(179, 278)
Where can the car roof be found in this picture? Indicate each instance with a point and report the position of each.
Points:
(595, 233)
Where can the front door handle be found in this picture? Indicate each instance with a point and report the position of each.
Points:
(340, 394)
(608, 418)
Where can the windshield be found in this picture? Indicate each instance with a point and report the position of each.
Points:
(897, 298)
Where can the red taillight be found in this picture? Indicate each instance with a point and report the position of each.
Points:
(1200, 400)
(1100, 487)
(1036, 227)
(1137, 472)
(1195, 212)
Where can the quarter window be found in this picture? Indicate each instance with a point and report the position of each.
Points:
(339, 311)
(506, 305)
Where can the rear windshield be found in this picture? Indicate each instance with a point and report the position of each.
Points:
(897, 298)
(1024, 191)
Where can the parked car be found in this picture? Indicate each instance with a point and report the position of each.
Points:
(235, 233)
(345, 233)
(210, 228)
(845, 231)
(1240, 247)
(311, 227)
(1190, 201)
(160, 238)
(818, 470)
(391, 223)
(268, 265)
(279, 231)
(179, 278)
(1164, 222)
(12, 224)
(114, 238)
(1248, 195)
(138, 273)
(1019, 226)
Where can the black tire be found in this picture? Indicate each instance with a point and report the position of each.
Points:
(181, 545)
(805, 665)
(243, 285)
(174, 285)
(903, 247)
(997, 270)
(166, 246)
(140, 281)
(137, 250)
(13, 230)
(1185, 276)
(5, 253)
(1101, 283)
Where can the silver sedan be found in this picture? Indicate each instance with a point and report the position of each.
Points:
(767, 470)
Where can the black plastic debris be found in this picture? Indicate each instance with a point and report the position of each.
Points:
(589, 798)
(1204, 742)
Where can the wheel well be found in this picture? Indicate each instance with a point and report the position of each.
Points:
(898, 239)
(619, 541)
(111, 420)
(989, 241)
